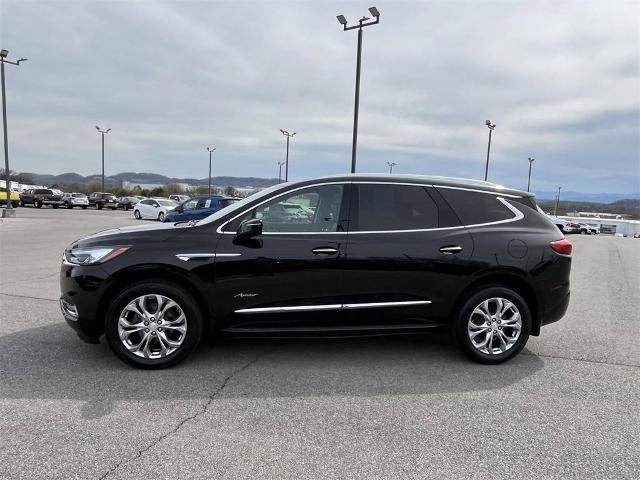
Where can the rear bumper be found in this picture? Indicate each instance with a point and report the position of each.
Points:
(556, 311)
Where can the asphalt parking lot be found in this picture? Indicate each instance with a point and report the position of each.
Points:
(568, 407)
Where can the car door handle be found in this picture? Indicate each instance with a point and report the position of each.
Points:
(325, 251)
(451, 249)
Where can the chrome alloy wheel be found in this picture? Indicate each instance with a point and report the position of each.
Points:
(494, 326)
(152, 326)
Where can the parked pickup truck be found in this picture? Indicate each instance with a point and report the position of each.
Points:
(39, 197)
(101, 200)
(14, 196)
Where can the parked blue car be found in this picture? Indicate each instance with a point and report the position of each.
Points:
(199, 207)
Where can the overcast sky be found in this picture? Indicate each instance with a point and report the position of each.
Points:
(560, 79)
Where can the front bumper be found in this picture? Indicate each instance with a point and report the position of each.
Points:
(81, 289)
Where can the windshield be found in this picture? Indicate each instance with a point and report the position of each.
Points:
(239, 205)
(167, 203)
(79, 195)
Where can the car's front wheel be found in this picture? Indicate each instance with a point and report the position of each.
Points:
(161, 217)
(153, 325)
(136, 213)
(493, 325)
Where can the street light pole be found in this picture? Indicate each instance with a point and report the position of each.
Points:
(531, 160)
(103, 132)
(286, 167)
(361, 24)
(391, 165)
(555, 211)
(210, 150)
(280, 171)
(490, 126)
(8, 211)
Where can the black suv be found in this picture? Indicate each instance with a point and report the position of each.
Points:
(101, 200)
(359, 255)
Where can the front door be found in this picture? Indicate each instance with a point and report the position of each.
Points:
(405, 254)
(290, 277)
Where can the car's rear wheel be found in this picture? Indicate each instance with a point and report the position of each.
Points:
(68, 205)
(14, 204)
(84, 207)
(98, 206)
(37, 204)
(493, 325)
(136, 213)
(153, 325)
(21, 203)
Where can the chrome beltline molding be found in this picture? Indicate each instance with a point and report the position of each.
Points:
(333, 306)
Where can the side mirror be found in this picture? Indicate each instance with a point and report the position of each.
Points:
(250, 228)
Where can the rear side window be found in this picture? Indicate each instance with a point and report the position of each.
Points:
(395, 207)
(42, 191)
(475, 207)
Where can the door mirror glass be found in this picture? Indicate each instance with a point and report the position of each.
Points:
(250, 228)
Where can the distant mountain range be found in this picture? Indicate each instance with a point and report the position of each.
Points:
(150, 178)
(239, 182)
(588, 197)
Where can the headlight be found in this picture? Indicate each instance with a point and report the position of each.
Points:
(92, 255)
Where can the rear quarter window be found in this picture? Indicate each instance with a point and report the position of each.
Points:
(475, 207)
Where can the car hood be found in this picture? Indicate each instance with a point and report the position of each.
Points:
(134, 234)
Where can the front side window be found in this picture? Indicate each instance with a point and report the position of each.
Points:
(387, 207)
(313, 209)
(190, 205)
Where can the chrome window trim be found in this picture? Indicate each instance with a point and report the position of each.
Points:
(333, 306)
(499, 196)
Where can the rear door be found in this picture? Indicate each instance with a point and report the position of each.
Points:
(405, 254)
(289, 278)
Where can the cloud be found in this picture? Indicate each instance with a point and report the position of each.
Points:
(560, 80)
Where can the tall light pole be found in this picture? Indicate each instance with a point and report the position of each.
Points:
(103, 132)
(555, 211)
(391, 165)
(531, 160)
(8, 211)
(210, 150)
(280, 171)
(490, 126)
(361, 24)
(286, 162)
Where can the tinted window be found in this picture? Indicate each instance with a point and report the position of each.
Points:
(313, 209)
(146, 202)
(395, 207)
(475, 207)
(228, 201)
(42, 191)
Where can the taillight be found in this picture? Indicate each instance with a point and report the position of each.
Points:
(563, 247)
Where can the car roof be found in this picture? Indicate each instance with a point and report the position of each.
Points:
(427, 180)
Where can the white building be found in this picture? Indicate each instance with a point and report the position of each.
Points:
(611, 226)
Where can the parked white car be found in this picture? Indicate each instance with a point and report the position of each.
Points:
(179, 198)
(75, 199)
(156, 208)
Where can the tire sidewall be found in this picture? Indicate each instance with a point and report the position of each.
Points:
(461, 324)
(186, 302)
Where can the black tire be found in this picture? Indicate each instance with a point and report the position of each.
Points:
(84, 207)
(136, 213)
(185, 301)
(99, 206)
(161, 217)
(14, 204)
(461, 324)
(68, 205)
(37, 204)
(54, 206)
(21, 203)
